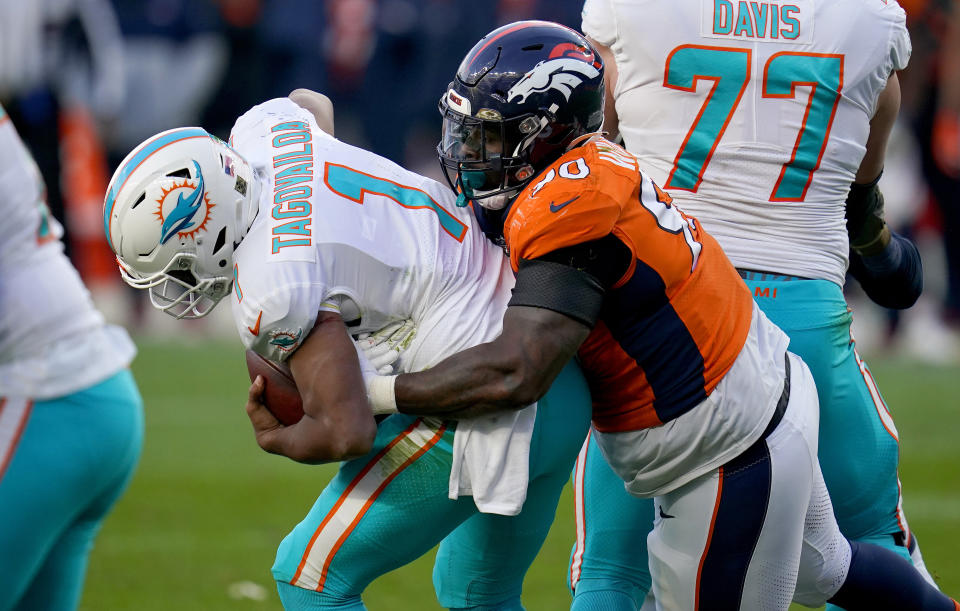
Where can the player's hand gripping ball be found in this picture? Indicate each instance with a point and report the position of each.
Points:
(280, 393)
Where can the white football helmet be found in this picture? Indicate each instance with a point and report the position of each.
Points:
(175, 210)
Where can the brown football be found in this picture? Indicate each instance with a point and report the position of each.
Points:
(280, 393)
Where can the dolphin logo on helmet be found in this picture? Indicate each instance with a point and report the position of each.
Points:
(185, 211)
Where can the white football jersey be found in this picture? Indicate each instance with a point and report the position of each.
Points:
(52, 339)
(754, 115)
(341, 229)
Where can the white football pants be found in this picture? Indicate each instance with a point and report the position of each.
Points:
(757, 532)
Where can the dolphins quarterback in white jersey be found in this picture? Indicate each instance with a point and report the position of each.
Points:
(314, 241)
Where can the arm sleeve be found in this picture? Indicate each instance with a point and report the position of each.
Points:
(863, 210)
(892, 279)
(572, 280)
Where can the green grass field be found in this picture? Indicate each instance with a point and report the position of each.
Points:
(207, 507)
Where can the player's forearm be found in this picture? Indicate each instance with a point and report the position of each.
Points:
(866, 226)
(510, 372)
(470, 383)
(892, 278)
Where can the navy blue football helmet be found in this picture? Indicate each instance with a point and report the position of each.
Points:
(521, 96)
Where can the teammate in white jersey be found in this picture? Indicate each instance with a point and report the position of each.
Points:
(761, 120)
(71, 417)
(313, 241)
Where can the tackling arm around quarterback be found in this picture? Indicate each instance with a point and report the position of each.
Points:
(511, 372)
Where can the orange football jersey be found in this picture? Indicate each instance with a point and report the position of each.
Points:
(673, 325)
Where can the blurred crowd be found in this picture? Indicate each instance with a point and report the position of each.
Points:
(86, 80)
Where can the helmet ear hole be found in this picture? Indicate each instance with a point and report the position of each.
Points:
(221, 240)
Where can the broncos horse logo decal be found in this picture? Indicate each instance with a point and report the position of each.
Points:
(562, 73)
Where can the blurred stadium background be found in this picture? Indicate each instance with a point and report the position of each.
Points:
(86, 80)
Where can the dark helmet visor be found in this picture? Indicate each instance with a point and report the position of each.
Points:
(482, 157)
(473, 148)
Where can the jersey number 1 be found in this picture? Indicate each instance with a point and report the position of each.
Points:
(729, 69)
(354, 185)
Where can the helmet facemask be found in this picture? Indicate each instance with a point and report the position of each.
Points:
(484, 158)
(176, 289)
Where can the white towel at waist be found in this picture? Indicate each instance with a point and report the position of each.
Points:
(491, 460)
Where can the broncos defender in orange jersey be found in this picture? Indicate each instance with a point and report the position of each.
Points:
(696, 402)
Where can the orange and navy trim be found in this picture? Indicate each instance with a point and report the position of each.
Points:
(641, 328)
(740, 509)
(665, 349)
(469, 60)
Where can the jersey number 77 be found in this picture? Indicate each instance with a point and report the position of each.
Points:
(729, 69)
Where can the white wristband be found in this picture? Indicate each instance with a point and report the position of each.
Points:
(380, 392)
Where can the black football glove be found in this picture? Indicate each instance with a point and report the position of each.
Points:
(866, 227)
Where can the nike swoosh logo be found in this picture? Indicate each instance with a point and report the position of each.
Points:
(558, 207)
(255, 329)
(665, 515)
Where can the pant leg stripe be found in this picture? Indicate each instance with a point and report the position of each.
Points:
(882, 410)
(344, 498)
(343, 537)
(738, 516)
(356, 500)
(902, 518)
(706, 548)
(886, 419)
(580, 511)
(14, 414)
